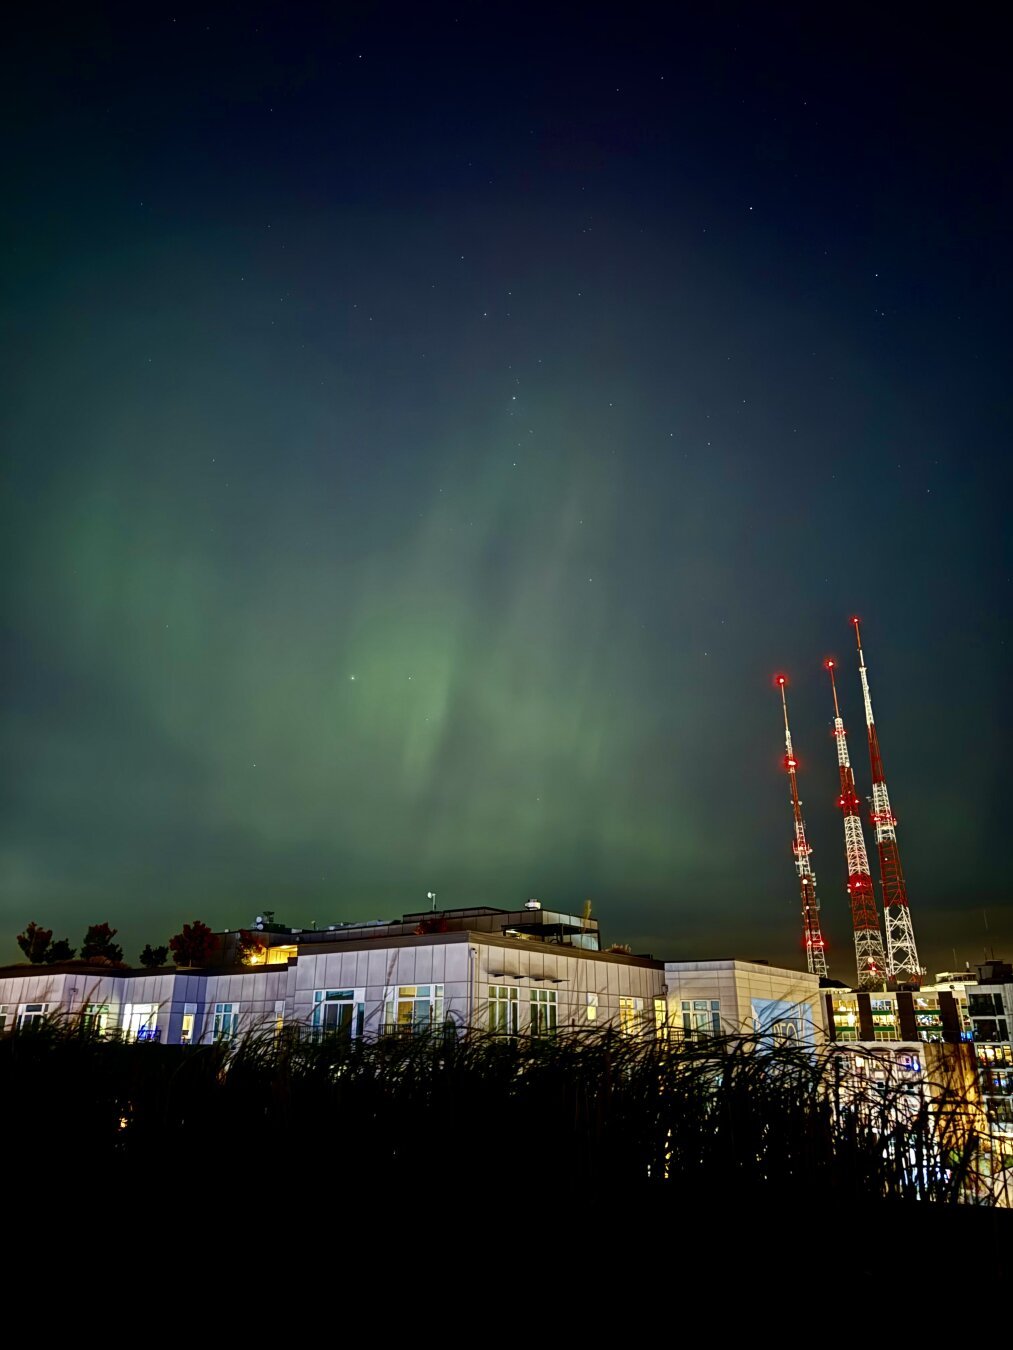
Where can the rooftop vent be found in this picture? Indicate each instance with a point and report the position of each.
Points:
(533, 904)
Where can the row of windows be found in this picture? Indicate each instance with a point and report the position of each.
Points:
(413, 1008)
(504, 1005)
(504, 1011)
(991, 1029)
(406, 1008)
(985, 1005)
(137, 1021)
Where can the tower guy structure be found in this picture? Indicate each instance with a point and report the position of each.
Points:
(869, 955)
(815, 948)
(901, 953)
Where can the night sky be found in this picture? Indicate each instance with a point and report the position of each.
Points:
(427, 430)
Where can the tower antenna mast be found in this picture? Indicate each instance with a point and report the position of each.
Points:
(815, 947)
(870, 957)
(901, 953)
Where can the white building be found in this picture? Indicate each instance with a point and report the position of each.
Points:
(530, 971)
(731, 997)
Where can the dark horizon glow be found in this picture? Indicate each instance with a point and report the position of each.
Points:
(425, 434)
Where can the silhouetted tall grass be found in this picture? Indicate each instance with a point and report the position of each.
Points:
(709, 1118)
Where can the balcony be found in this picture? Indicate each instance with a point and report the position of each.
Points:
(407, 1031)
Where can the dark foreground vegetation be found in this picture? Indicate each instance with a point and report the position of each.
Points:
(701, 1117)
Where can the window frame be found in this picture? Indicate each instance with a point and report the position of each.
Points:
(399, 997)
(323, 998)
(95, 1019)
(187, 1033)
(631, 1014)
(31, 1013)
(225, 1021)
(138, 1017)
(543, 1015)
(701, 1016)
(503, 999)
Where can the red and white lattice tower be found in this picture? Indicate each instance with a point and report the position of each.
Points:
(901, 953)
(870, 957)
(815, 948)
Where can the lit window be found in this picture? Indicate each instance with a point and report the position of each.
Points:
(95, 1018)
(279, 1017)
(543, 1012)
(139, 1021)
(186, 1030)
(226, 1021)
(504, 1007)
(336, 1012)
(661, 1018)
(592, 1007)
(630, 1010)
(413, 1008)
(3, 1018)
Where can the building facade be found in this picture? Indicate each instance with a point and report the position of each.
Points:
(990, 1012)
(936, 1012)
(730, 997)
(528, 972)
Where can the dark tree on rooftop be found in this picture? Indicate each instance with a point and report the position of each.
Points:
(194, 945)
(60, 950)
(34, 942)
(99, 945)
(152, 957)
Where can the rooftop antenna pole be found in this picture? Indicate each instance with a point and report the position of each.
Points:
(901, 953)
(870, 958)
(815, 947)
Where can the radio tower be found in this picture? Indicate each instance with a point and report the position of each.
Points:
(869, 955)
(815, 948)
(901, 953)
